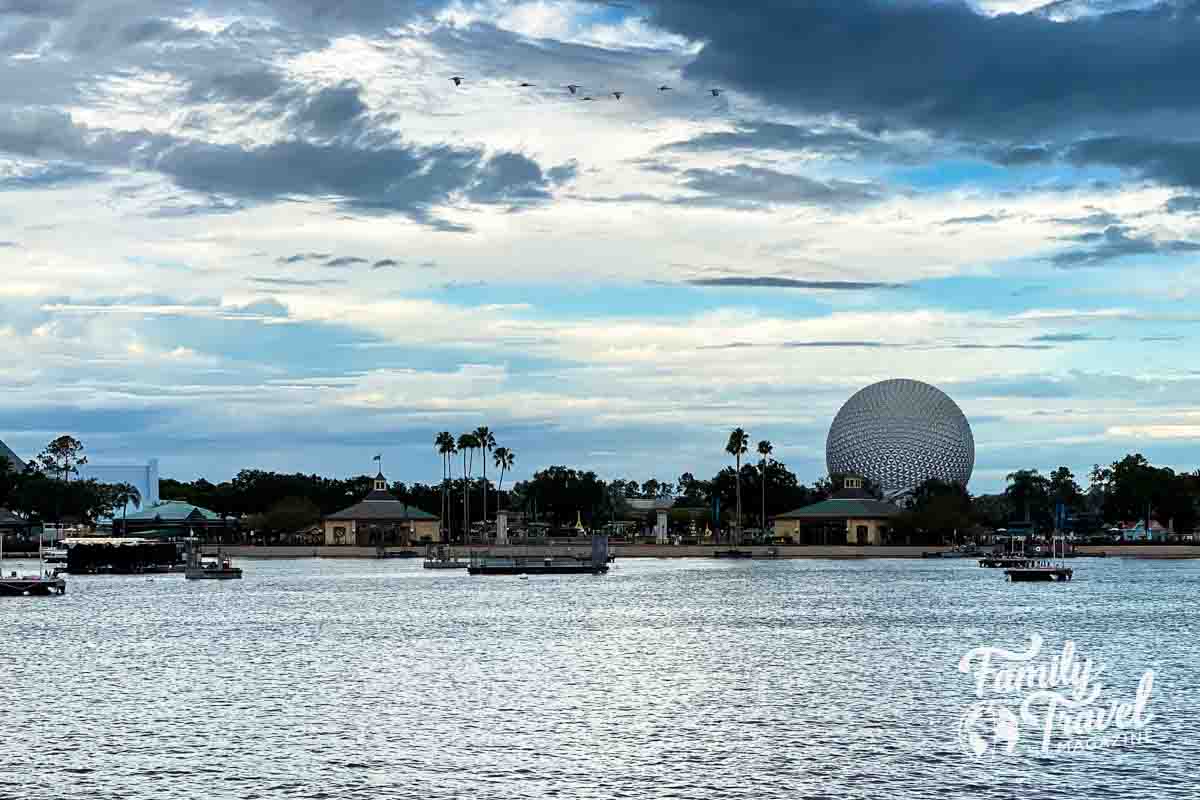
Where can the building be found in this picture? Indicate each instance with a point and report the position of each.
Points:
(14, 526)
(852, 516)
(381, 519)
(899, 433)
(143, 477)
(14, 461)
(175, 518)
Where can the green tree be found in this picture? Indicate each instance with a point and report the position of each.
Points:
(444, 442)
(504, 460)
(122, 495)
(486, 442)
(736, 446)
(10, 479)
(466, 445)
(1029, 492)
(63, 456)
(764, 450)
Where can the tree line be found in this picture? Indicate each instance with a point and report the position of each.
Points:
(1128, 490)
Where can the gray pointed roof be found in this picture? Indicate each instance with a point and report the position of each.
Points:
(381, 506)
(6, 452)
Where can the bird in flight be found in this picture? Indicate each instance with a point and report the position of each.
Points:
(527, 85)
(572, 87)
(715, 92)
(617, 95)
(457, 80)
(664, 88)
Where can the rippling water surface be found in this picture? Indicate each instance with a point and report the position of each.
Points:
(684, 679)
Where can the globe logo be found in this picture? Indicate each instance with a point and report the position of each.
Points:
(898, 434)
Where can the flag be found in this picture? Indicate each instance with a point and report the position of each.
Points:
(378, 457)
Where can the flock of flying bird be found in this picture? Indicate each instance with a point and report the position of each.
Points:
(574, 88)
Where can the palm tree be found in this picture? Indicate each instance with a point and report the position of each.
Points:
(738, 442)
(445, 446)
(486, 443)
(123, 495)
(466, 444)
(504, 459)
(764, 450)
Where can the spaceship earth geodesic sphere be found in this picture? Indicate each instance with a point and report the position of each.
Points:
(899, 433)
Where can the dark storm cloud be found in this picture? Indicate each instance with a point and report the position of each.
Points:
(746, 186)
(1020, 156)
(774, 282)
(1170, 161)
(943, 65)
(1113, 243)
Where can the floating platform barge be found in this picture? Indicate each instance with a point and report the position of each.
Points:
(487, 564)
(733, 553)
(1040, 573)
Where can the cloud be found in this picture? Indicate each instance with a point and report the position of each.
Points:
(345, 261)
(386, 262)
(1070, 338)
(297, 282)
(377, 177)
(758, 135)
(980, 219)
(775, 282)
(944, 66)
(8, 244)
(299, 258)
(333, 110)
(1183, 204)
(1116, 243)
(746, 186)
(249, 85)
(1170, 161)
(1098, 218)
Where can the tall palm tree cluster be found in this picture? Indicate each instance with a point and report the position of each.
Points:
(466, 444)
(737, 446)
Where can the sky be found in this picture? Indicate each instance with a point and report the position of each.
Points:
(274, 234)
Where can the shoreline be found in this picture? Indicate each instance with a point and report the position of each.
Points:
(785, 552)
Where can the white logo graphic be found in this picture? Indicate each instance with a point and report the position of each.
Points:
(1047, 703)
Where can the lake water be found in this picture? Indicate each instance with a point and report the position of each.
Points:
(680, 679)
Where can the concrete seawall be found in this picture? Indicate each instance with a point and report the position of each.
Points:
(698, 551)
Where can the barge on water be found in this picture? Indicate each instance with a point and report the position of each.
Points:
(1045, 572)
(488, 564)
